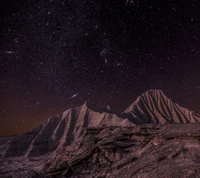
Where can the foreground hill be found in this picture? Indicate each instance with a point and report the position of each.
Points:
(170, 151)
(153, 137)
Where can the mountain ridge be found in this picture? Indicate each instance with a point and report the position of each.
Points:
(59, 131)
(88, 141)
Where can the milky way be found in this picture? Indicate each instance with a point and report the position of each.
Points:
(105, 51)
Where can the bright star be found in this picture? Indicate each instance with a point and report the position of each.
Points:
(9, 52)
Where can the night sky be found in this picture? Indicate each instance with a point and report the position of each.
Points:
(56, 54)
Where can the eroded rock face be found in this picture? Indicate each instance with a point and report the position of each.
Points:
(154, 107)
(150, 150)
(141, 151)
(59, 131)
(154, 137)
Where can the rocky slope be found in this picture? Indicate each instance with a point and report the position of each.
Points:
(141, 151)
(154, 137)
(59, 131)
(170, 151)
(154, 107)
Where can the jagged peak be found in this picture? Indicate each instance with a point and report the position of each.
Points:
(154, 106)
(90, 105)
(154, 92)
(151, 93)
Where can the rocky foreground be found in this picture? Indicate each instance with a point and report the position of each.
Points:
(154, 137)
(142, 151)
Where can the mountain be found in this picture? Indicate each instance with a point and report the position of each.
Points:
(153, 137)
(154, 107)
(59, 131)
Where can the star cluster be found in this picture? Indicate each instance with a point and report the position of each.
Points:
(56, 54)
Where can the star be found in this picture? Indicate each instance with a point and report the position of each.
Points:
(9, 52)
(68, 51)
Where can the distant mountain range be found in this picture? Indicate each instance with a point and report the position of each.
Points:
(87, 132)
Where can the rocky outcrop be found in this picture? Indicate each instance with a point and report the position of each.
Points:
(150, 150)
(141, 151)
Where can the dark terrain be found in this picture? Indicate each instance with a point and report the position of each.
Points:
(154, 137)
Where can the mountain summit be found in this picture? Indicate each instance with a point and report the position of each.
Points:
(154, 107)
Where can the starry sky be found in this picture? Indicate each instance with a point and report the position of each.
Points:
(56, 54)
